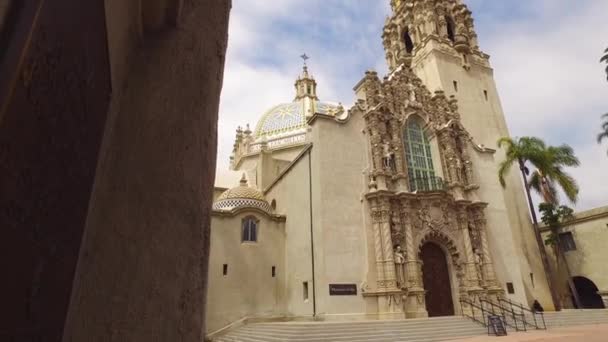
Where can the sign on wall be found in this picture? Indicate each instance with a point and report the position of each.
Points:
(342, 289)
(496, 326)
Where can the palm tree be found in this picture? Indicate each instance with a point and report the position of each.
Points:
(550, 173)
(522, 151)
(604, 134)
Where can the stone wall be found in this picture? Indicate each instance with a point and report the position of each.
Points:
(143, 262)
(4, 5)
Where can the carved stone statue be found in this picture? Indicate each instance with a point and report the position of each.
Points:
(412, 92)
(399, 257)
(388, 155)
(478, 263)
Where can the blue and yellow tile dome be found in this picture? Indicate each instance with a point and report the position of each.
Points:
(289, 117)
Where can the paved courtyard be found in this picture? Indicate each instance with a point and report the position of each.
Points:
(587, 333)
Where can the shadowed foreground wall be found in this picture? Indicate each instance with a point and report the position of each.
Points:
(108, 123)
(143, 262)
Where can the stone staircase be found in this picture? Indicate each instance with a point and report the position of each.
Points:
(575, 317)
(412, 330)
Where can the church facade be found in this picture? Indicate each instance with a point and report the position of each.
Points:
(387, 209)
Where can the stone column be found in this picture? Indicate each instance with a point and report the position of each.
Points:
(487, 267)
(390, 279)
(376, 218)
(412, 264)
(470, 270)
(415, 306)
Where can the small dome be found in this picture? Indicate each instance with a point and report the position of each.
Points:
(242, 196)
(289, 117)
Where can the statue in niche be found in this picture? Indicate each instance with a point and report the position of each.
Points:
(478, 263)
(399, 257)
(396, 230)
(388, 156)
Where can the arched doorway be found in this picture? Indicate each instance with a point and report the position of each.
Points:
(587, 292)
(436, 278)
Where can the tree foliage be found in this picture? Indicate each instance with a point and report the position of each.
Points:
(604, 134)
(605, 59)
(554, 216)
(549, 163)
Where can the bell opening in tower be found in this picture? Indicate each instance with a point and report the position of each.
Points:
(409, 43)
(451, 28)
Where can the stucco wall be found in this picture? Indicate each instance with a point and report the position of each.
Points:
(248, 289)
(291, 194)
(339, 182)
(511, 237)
(590, 259)
(143, 262)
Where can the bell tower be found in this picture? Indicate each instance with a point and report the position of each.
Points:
(438, 41)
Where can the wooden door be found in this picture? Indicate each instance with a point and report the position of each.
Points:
(437, 283)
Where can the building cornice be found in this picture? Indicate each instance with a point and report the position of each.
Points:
(238, 211)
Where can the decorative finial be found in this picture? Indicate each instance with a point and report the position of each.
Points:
(244, 180)
(305, 58)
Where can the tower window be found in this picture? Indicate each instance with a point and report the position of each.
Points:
(485, 94)
(274, 271)
(225, 270)
(456, 86)
(510, 288)
(451, 28)
(250, 230)
(419, 160)
(409, 44)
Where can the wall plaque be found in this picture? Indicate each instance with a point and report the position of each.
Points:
(342, 289)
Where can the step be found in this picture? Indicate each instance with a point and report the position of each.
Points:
(412, 330)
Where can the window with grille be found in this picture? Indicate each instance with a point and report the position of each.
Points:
(419, 159)
(250, 230)
(566, 241)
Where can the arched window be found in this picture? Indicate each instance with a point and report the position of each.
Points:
(451, 28)
(409, 43)
(250, 230)
(418, 155)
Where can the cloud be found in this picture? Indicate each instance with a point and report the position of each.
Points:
(545, 54)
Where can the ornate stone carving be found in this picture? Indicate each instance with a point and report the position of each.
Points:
(399, 258)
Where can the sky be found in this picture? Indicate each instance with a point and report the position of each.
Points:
(545, 54)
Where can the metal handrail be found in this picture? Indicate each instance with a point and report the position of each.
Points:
(427, 184)
(473, 316)
(484, 314)
(504, 310)
(525, 309)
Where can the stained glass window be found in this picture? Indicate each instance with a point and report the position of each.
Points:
(418, 155)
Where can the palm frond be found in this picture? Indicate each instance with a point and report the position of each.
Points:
(568, 184)
(601, 137)
(504, 169)
(507, 142)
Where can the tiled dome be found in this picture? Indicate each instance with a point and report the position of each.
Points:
(288, 117)
(242, 196)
